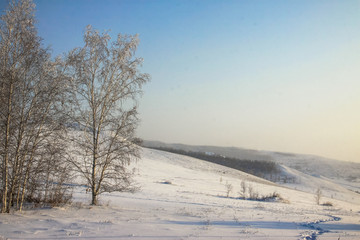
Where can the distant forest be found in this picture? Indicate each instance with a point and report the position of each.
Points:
(264, 169)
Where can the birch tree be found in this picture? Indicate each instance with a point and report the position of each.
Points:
(318, 195)
(30, 87)
(106, 83)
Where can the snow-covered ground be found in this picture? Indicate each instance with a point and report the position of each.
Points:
(185, 198)
(335, 170)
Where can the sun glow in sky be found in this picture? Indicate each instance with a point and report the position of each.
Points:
(272, 75)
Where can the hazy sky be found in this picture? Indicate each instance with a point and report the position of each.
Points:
(271, 75)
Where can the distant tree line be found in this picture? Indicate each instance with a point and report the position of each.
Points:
(264, 169)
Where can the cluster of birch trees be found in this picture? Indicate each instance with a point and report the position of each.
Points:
(72, 114)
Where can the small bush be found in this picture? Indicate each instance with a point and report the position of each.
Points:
(328, 204)
(318, 195)
(272, 197)
(253, 195)
(58, 198)
(229, 188)
(57, 195)
(243, 188)
(166, 182)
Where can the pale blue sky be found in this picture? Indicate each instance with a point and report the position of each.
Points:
(272, 75)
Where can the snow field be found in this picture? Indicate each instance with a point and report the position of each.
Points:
(185, 198)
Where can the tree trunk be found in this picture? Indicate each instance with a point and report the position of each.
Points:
(6, 151)
(94, 200)
(15, 173)
(23, 188)
(93, 175)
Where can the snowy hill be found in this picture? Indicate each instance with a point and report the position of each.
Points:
(346, 174)
(185, 198)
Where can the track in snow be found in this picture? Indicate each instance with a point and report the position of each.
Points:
(315, 230)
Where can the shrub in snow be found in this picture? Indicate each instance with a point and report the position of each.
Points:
(253, 195)
(229, 188)
(318, 195)
(272, 197)
(328, 204)
(276, 197)
(166, 182)
(243, 188)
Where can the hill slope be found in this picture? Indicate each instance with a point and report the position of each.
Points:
(184, 198)
(346, 174)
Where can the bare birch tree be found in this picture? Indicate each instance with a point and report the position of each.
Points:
(243, 188)
(318, 195)
(30, 87)
(106, 84)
